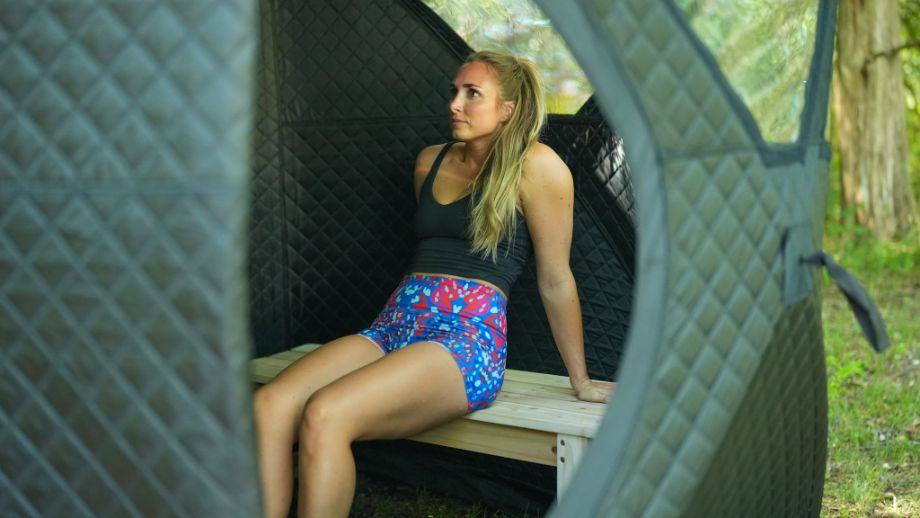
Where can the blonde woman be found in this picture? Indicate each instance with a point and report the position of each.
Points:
(437, 350)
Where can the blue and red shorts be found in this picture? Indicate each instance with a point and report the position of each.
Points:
(463, 316)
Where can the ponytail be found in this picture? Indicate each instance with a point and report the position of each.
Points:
(496, 188)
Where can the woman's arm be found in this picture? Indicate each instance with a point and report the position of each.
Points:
(548, 197)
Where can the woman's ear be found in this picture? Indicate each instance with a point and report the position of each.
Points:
(508, 110)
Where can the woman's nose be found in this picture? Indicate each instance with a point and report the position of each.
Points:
(455, 105)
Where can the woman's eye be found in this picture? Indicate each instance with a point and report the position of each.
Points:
(473, 93)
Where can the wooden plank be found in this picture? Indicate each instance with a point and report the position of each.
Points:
(305, 348)
(288, 356)
(540, 378)
(574, 405)
(263, 370)
(503, 441)
(523, 387)
(570, 450)
(526, 416)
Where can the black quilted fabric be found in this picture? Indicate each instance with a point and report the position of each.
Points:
(351, 92)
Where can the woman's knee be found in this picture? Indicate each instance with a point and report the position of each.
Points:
(323, 420)
(269, 406)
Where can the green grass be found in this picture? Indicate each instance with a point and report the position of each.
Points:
(874, 399)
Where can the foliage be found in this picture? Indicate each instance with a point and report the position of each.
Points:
(519, 27)
(910, 58)
(853, 244)
(764, 50)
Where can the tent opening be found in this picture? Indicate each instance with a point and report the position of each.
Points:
(346, 99)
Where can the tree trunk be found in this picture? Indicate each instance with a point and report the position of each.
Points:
(869, 101)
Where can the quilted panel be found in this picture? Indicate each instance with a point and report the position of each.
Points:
(594, 153)
(123, 164)
(348, 231)
(765, 51)
(267, 292)
(724, 217)
(325, 147)
(722, 302)
(687, 105)
(360, 59)
(782, 417)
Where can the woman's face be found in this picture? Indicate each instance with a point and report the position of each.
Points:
(477, 110)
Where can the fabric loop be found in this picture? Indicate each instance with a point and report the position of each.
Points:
(865, 310)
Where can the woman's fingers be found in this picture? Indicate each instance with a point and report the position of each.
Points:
(595, 392)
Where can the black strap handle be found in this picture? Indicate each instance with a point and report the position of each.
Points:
(865, 310)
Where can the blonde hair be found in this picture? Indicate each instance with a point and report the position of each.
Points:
(496, 187)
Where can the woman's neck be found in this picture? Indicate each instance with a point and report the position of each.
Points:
(475, 153)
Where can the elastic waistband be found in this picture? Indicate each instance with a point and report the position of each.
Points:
(464, 283)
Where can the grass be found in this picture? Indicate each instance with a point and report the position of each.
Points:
(873, 466)
(874, 399)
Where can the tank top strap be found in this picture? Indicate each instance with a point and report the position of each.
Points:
(427, 185)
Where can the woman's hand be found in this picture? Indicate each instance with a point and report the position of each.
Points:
(593, 391)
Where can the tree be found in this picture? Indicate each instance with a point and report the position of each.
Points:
(910, 15)
(869, 103)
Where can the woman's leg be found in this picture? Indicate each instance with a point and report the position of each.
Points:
(410, 390)
(278, 407)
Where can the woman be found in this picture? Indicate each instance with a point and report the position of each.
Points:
(437, 350)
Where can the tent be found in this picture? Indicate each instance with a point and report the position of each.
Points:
(184, 185)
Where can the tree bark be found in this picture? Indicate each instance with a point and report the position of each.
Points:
(869, 102)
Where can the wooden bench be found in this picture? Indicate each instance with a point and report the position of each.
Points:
(536, 418)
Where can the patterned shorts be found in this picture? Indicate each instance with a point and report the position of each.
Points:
(465, 317)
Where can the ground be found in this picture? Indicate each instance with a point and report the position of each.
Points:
(874, 414)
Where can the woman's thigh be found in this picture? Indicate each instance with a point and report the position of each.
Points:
(291, 388)
(406, 392)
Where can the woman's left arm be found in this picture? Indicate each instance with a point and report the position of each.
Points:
(548, 197)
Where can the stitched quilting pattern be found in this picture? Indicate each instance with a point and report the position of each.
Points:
(724, 219)
(124, 135)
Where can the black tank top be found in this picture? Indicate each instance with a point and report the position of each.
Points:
(444, 243)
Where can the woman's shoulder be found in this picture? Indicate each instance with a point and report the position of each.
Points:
(545, 179)
(426, 158)
(423, 163)
(543, 165)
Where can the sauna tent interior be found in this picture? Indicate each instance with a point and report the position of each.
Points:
(184, 185)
